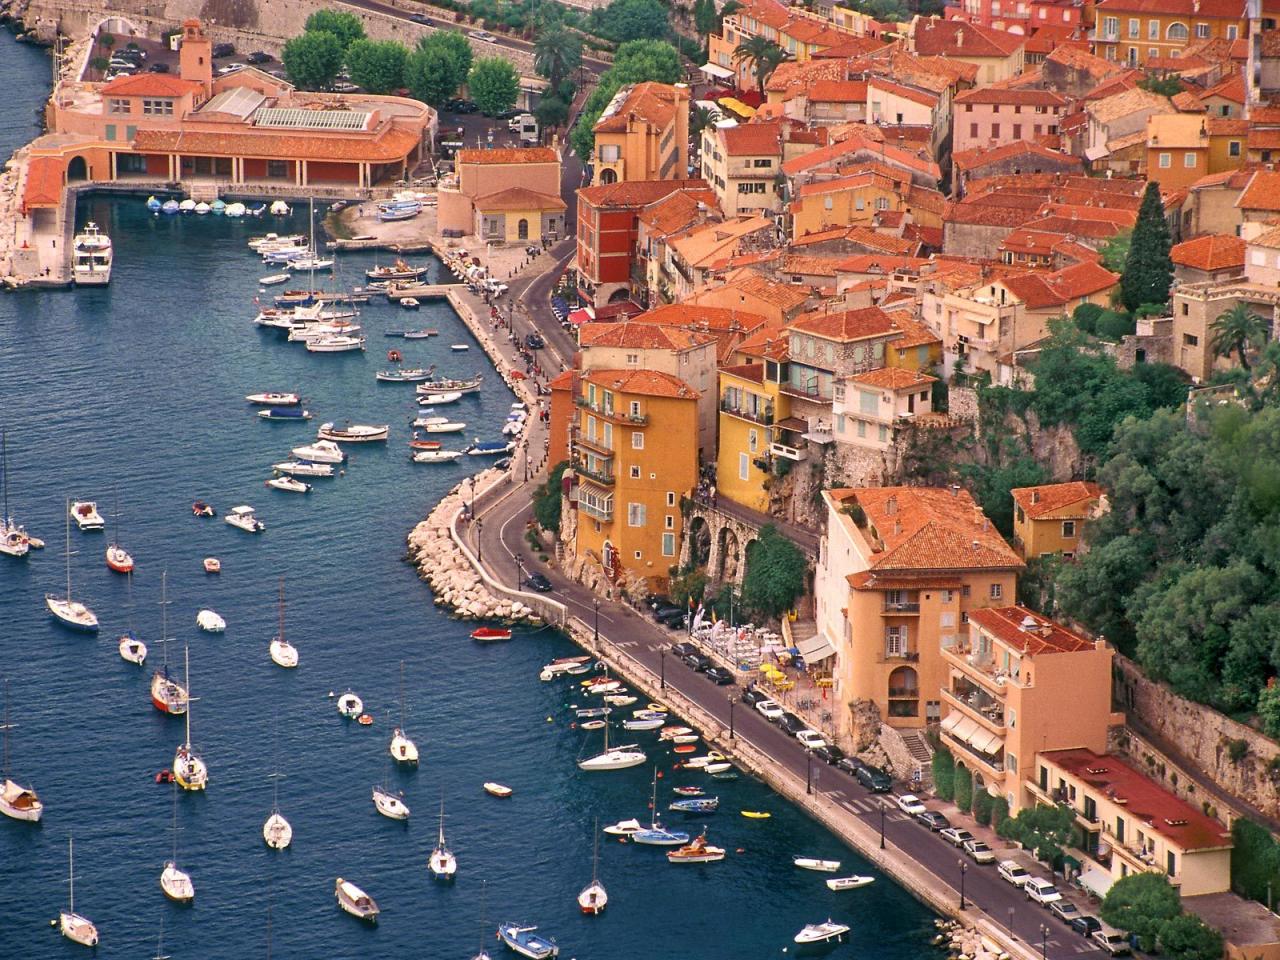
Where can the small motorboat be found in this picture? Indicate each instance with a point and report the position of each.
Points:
(288, 484)
(724, 774)
(698, 851)
(431, 399)
(822, 934)
(281, 209)
(394, 356)
(274, 399)
(684, 739)
(335, 344)
(354, 432)
(350, 705)
(525, 941)
(720, 766)
(592, 725)
(118, 559)
(688, 791)
(497, 790)
(202, 509)
(490, 633)
(437, 456)
(446, 427)
(419, 334)
(212, 565)
(365, 720)
(300, 468)
(488, 448)
(619, 699)
(399, 270)
(468, 385)
(133, 650)
(316, 264)
(409, 303)
(624, 828)
(670, 733)
(812, 863)
(697, 763)
(655, 835)
(210, 622)
(322, 451)
(390, 805)
(641, 724)
(586, 713)
(416, 444)
(756, 814)
(285, 413)
(244, 519)
(683, 748)
(404, 375)
(85, 514)
(272, 279)
(849, 883)
(695, 805)
(459, 347)
(351, 899)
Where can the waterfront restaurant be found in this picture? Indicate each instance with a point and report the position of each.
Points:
(244, 128)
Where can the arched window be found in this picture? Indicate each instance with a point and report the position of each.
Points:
(607, 175)
(522, 229)
(1176, 31)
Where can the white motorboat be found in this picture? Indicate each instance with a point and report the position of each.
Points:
(189, 770)
(409, 303)
(210, 622)
(525, 940)
(76, 928)
(274, 278)
(244, 518)
(624, 828)
(299, 468)
(459, 347)
(335, 344)
(828, 933)
(616, 758)
(16, 801)
(354, 432)
(71, 612)
(811, 863)
(434, 387)
(437, 456)
(594, 898)
(402, 748)
(85, 514)
(697, 851)
(452, 396)
(350, 706)
(670, 733)
(353, 900)
(267, 241)
(288, 484)
(91, 263)
(313, 264)
(283, 653)
(329, 330)
(132, 649)
(322, 451)
(389, 804)
(849, 883)
(279, 208)
(642, 724)
(274, 399)
(174, 881)
(14, 541)
(442, 864)
(446, 427)
(167, 695)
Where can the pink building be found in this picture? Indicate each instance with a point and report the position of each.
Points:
(995, 116)
(1019, 16)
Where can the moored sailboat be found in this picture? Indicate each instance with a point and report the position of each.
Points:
(402, 748)
(353, 900)
(174, 881)
(14, 541)
(276, 831)
(593, 898)
(76, 928)
(189, 769)
(442, 863)
(16, 801)
(283, 653)
(617, 758)
(71, 612)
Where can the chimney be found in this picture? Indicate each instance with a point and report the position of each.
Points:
(1035, 496)
(955, 489)
(891, 506)
(897, 528)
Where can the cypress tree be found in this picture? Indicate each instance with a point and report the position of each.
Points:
(1148, 271)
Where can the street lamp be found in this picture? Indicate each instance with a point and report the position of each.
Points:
(662, 667)
(964, 868)
(1009, 925)
(808, 771)
(519, 558)
(595, 602)
(479, 540)
(1044, 942)
(732, 702)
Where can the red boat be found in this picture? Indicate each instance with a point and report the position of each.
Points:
(394, 356)
(424, 444)
(118, 559)
(491, 633)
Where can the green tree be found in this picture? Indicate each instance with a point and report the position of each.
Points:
(1148, 271)
(944, 771)
(345, 26)
(1115, 251)
(428, 73)
(312, 59)
(546, 499)
(494, 85)
(764, 56)
(775, 573)
(1187, 937)
(638, 61)
(1112, 326)
(1237, 330)
(376, 65)
(1141, 903)
(557, 52)
(1255, 861)
(699, 120)
(636, 20)
(551, 112)
(1086, 317)
(1165, 86)
(1044, 830)
(1268, 708)
(983, 804)
(963, 782)
(992, 485)
(457, 46)
(705, 19)
(689, 585)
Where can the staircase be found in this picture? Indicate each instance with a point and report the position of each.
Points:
(919, 749)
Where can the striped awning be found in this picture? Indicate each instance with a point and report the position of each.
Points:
(984, 741)
(816, 648)
(717, 71)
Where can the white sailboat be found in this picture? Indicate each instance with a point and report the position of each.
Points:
(442, 863)
(174, 881)
(14, 541)
(277, 832)
(167, 695)
(131, 648)
(617, 758)
(593, 898)
(283, 653)
(390, 805)
(403, 749)
(71, 612)
(189, 769)
(484, 902)
(16, 801)
(72, 925)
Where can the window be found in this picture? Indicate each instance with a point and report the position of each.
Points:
(637, 440)
(973, 131)
(1170, 863)
(1202, 31)
(1134, 27)
(868, 402)
(1190, 340)
(157, 108)
(744, 466)
(1068, 529)
(671, 498)
(860, 204)
(1111, 27)
(1153, 29)
(591, 428)
(1233, 31)
(995, 131)
(828, 203)
(1189, 160)
(635, 514)
(964, 591)
(668, 544)
(669, 521)
(884, 434)
(1233, 148)
(633, 359)
(609, 152)
(1120, 829)
(1258, 258)
(862, 428)
(109, 132)
(948, 596)
(765, 164)
(753, 440)
(1176, 31)
(115, 105)
(1166, 161)
(607, 435)
(635, 472)
(947, 621)
(1017, 131)
(997, 591)
(277, 168)
(1011, 762)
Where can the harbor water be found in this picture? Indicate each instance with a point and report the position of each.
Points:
(133, 396)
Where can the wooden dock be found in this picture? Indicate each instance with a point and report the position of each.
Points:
(421, 291)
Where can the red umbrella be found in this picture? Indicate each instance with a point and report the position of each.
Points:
(517, 375)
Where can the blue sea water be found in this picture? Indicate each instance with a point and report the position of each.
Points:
(134, 395)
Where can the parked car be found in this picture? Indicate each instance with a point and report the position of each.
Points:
(1041, 891)
(909, 803)
(160, 67)
(811, 739)
(1013, 872)
(792, 724)
(1085, 924)
(224, 50)
(753, 696)
(720, 676)
(933, 820)
(259, 56)
(538, 582)
(673, 617)
(484, 36)
(956, 836)
(874, 779)
(660, 609)
(850, 765)
(534, 342)
(1064, 910)
(770, 711)
(1112, 941)
(697, 662)
(419, 18)
(683, 649)
(830, 753)
(979, 852)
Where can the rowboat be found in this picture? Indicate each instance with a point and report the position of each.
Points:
(490, 633)
(525, 941)
(355, 901)
(416, 444)
(699, 851)
(469, 385)
(688, 791)
(695, 805)
(685, 748)
(417, 334)
(284, 413)
(497, 790)
(212, 565)
(353, 432)
(446, 427)
(849, 883)
(410, 375)
(759, 815)
(273, 279)
(812, 863)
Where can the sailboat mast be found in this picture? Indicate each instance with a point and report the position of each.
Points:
(186, 651)
(282, 609)
(71, 873)
(68, 551)
(164, 618)
(402, 701)
(175, 824)
(595, 851)
(5, 771)
(4, 474)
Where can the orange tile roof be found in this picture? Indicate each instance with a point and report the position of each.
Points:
(746, 371)
(697, 317)
(922, 97)
(1263, 139)
(43, 187)
(846, 325)
(519, 198)
(678, 210)
(985, 156)
(1232, 88)
(1262, 193)
(149, 85)
(508, 155)
(391, 145)
(1020, 96)
(930, 528)
(651, 383)
(653, 103)
(1080, 59)
(894, 378)
(752, 139)
(1040, 290)
(914, 333)
(817, 266)
(877, 264)
(636, 193)
(1214, 252)
(768, 342)
(1232, 10)
(640, 336)
(838, 91)
(1226, 126)
(1027, 632)
(1051, 501)
(954, 38)
(564, 381)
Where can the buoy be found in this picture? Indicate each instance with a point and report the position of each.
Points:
(364, 720)
(549, 720)
(331, 694)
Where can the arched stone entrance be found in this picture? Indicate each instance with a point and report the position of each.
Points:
(729, 556)
(77, 169)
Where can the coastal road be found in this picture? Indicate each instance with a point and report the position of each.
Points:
(503, 526)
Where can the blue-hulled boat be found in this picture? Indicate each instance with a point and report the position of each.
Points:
(696, 805)
(526, 941)
(170, 207)
(285, 413)
(489, 448)
(218, 206)
(153, 204)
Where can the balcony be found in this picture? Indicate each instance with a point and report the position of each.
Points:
(763, 415)
(992, 764)
(900, 608)
(595, 446)
(636, 419)
(595, 476)
(897, 653)
(976, 664)
(783, 450)
(990, 715)
(600, 509)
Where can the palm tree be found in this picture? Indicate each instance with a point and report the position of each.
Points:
(764, 56)
(557, 52)
(700, 119)
(1236, 330)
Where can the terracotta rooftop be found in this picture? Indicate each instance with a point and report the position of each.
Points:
(837, 91)
(1028, 633)
(651, 383)
(566, 380)
(149, 85)
(1127, 102)
(1232, 88)
(1078, 59)
(985, 156)
(929, 528)
(1214, 252)
(746, 371)
(816, 266)
(678, 210)
(653, 103)
(1040, 290)
(749, 283)
(752, 139)
(846, 325)
(922, 97)
(640, 336)
(954, 38)
(43, 187)
(914, 333)
(391, 145)
(508, 155)
(697, 317)
(894, 378)
(1232, 10)
(636, 193)
(1057, 501)
(519, 198)
(1262, 193)
(1020, 96)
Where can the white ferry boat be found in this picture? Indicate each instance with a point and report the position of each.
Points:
(91, 266)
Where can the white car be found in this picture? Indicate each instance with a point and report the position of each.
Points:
(909, 803)
(956, 836)
(1010, 870)
(1041, 891)
(979, 851)
(770, 710)
(484, 35)
(811, 739)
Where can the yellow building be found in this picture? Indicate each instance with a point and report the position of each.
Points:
(1051, 518)
(643, 134)
(1020, 684)
(800, 33)
(1133, 825)
(1135, 31)
(872, 188)
(635, 456)
(753, 418)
